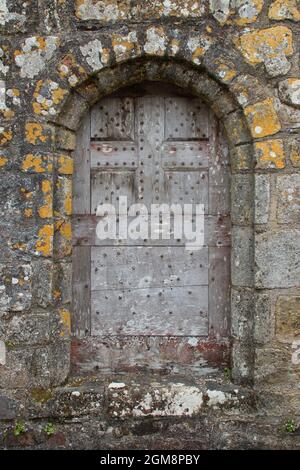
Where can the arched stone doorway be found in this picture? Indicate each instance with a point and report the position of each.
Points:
(226, 109)
(151, 302)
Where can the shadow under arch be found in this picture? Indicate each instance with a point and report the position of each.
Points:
(224, 105)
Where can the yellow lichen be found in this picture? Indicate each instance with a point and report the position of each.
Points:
(65, 165)
(262, 118)
(295, 155)
(266, 43)
(226, 73)
(270, 154)
(123, 45)
(28, 212)
(284, 9)
(34, 132)
(51, 94)
(3, 160)
(66, 320)
(46, 210)
(44, 243)
(57, 294)
(36, 163)
(66, 230)
(70, 69)
(198, 47)
(174, 46)
(5, 136)
(68, 197)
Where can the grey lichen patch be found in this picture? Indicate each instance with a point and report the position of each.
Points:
(174, 399)
(15, 288)
(125, 46)
(96, 55)
(198, 46)
(34, 54)
(2, 353)
(6, 16)
(112, 10)
(289, 92)
(155, 41)
(272, 46)
(4, 68)
(243, 11)
(220, 9)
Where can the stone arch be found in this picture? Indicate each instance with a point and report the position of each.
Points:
(242, 112)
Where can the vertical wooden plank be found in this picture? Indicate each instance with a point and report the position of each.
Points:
(81, 291)
(81, 176)
(186, 118)
(219, 291)
(113, 118)
(150, 135)
(81, 285)
(219, 256)
(219, 172)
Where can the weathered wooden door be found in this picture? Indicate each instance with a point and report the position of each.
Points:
(150, 302)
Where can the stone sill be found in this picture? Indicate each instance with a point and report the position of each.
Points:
(127, 396)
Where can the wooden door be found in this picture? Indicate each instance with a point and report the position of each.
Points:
(153, 149)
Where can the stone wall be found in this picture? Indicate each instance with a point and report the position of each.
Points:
(57, 57)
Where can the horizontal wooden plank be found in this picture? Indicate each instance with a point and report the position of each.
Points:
(173, 354)
(166, 311)
(185, 155)
(113, 154)
(216, 233)
(130, 267)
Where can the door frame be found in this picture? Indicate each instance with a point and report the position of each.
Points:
(239, 138)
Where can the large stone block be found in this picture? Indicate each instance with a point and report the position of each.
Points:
(277, 259)
(242, 204)
(63, 282)
(242, 157)
(289, 91)
(242, 256)
(263, 320)
(242, 313)
(42, 282)
(288, 317)
(26, 329)
(288, 197)
(262, 198)
(274, 365)
(36, 367)
(15, 288)
(293, 150)
(271, 46)
(242, 359)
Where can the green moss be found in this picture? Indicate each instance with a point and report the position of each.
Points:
(290, 426)
(227, 373)
(41, 394)
(49, 429)
(19, 428)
